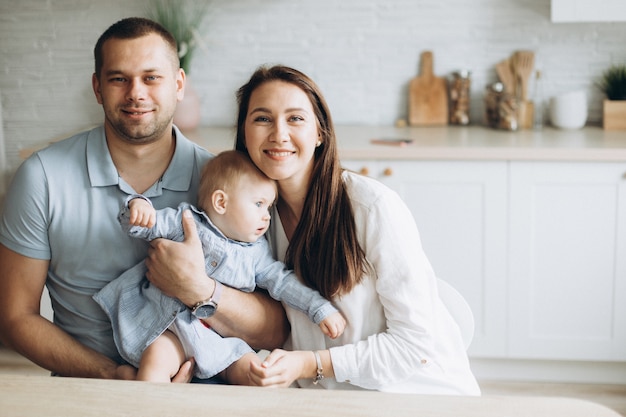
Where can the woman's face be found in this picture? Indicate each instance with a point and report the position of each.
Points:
(281, 132)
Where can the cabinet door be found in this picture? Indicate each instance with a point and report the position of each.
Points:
(567, 293)
(460, 210)
(588, 11)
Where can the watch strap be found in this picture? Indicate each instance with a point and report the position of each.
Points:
(214, 299)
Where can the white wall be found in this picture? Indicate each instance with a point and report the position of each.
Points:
(361, 52)
(3, 159)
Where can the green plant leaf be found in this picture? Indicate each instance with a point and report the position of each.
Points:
(613, 82)
(182, 18)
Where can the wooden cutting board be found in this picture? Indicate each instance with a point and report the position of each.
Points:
(428, 96)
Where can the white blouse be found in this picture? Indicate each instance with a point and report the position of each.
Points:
(400, 337)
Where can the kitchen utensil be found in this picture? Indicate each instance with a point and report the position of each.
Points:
(506, 76)
(523, 64)
(428, 95)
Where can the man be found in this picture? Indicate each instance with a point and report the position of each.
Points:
(59, 225)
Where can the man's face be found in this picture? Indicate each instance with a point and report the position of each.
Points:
(139, 87)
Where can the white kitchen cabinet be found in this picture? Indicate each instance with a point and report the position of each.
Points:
(538, 249)
(460, 210)
(567, 261)
(588, 11)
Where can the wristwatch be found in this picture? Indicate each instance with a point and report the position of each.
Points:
(206, 308)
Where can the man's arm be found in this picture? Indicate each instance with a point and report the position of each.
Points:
(23, 329)
(255, 317)
(177, 269)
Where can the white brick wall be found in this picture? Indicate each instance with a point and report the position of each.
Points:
(361, 52)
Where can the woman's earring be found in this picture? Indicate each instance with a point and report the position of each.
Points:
(319, 142)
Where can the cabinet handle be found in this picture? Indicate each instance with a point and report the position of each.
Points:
(364, 171)
(388, 172)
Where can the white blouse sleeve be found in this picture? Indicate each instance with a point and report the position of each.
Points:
(406, 288)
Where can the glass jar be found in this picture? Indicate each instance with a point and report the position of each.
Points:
(460, 98)
(500, 108)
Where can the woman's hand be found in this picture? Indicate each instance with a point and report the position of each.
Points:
(177, 268)
(281, 368)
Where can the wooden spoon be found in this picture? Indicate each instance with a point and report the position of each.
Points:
(507, 78)
(524, 63)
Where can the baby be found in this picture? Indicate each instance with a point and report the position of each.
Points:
(157, 333)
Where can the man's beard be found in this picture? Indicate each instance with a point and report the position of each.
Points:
(140, 133)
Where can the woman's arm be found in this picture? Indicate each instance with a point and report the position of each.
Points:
(177, 269)
(405, 287)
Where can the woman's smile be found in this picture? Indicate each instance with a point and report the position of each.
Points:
(281, 131)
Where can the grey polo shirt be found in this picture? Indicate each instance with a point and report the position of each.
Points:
(62, 206)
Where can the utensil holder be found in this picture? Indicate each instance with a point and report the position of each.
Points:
(525, 113)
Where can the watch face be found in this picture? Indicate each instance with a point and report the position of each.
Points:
(205, 311)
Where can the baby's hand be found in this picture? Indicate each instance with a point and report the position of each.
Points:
(333, 325)
(141, 213)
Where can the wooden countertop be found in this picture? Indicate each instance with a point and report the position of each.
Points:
(70, 397)
(591, 144)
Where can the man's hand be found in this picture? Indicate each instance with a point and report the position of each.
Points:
(177, 268)
(126, 372)
(185, 373)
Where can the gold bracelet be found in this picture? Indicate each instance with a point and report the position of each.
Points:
(320, 370)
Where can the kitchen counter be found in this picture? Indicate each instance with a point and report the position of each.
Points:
(459, 143)
(591, 144)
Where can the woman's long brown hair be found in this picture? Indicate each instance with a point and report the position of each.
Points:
(324, 250)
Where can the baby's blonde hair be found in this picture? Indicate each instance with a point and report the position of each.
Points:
(225, 172)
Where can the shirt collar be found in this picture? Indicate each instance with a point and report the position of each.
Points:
(102, 171)
(177, 176)
(100, 166)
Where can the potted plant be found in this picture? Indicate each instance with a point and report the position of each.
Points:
(182, 18)
(613, 85)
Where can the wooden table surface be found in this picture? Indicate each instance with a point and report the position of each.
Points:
(69, 397)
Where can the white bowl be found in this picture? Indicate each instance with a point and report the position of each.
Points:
(569, 110)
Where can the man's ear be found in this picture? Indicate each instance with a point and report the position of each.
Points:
(95, 85)
(180, 84)
(219, 200)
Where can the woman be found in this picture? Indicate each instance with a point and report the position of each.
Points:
(356, 242)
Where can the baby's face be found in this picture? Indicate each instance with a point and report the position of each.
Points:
(247, 214)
